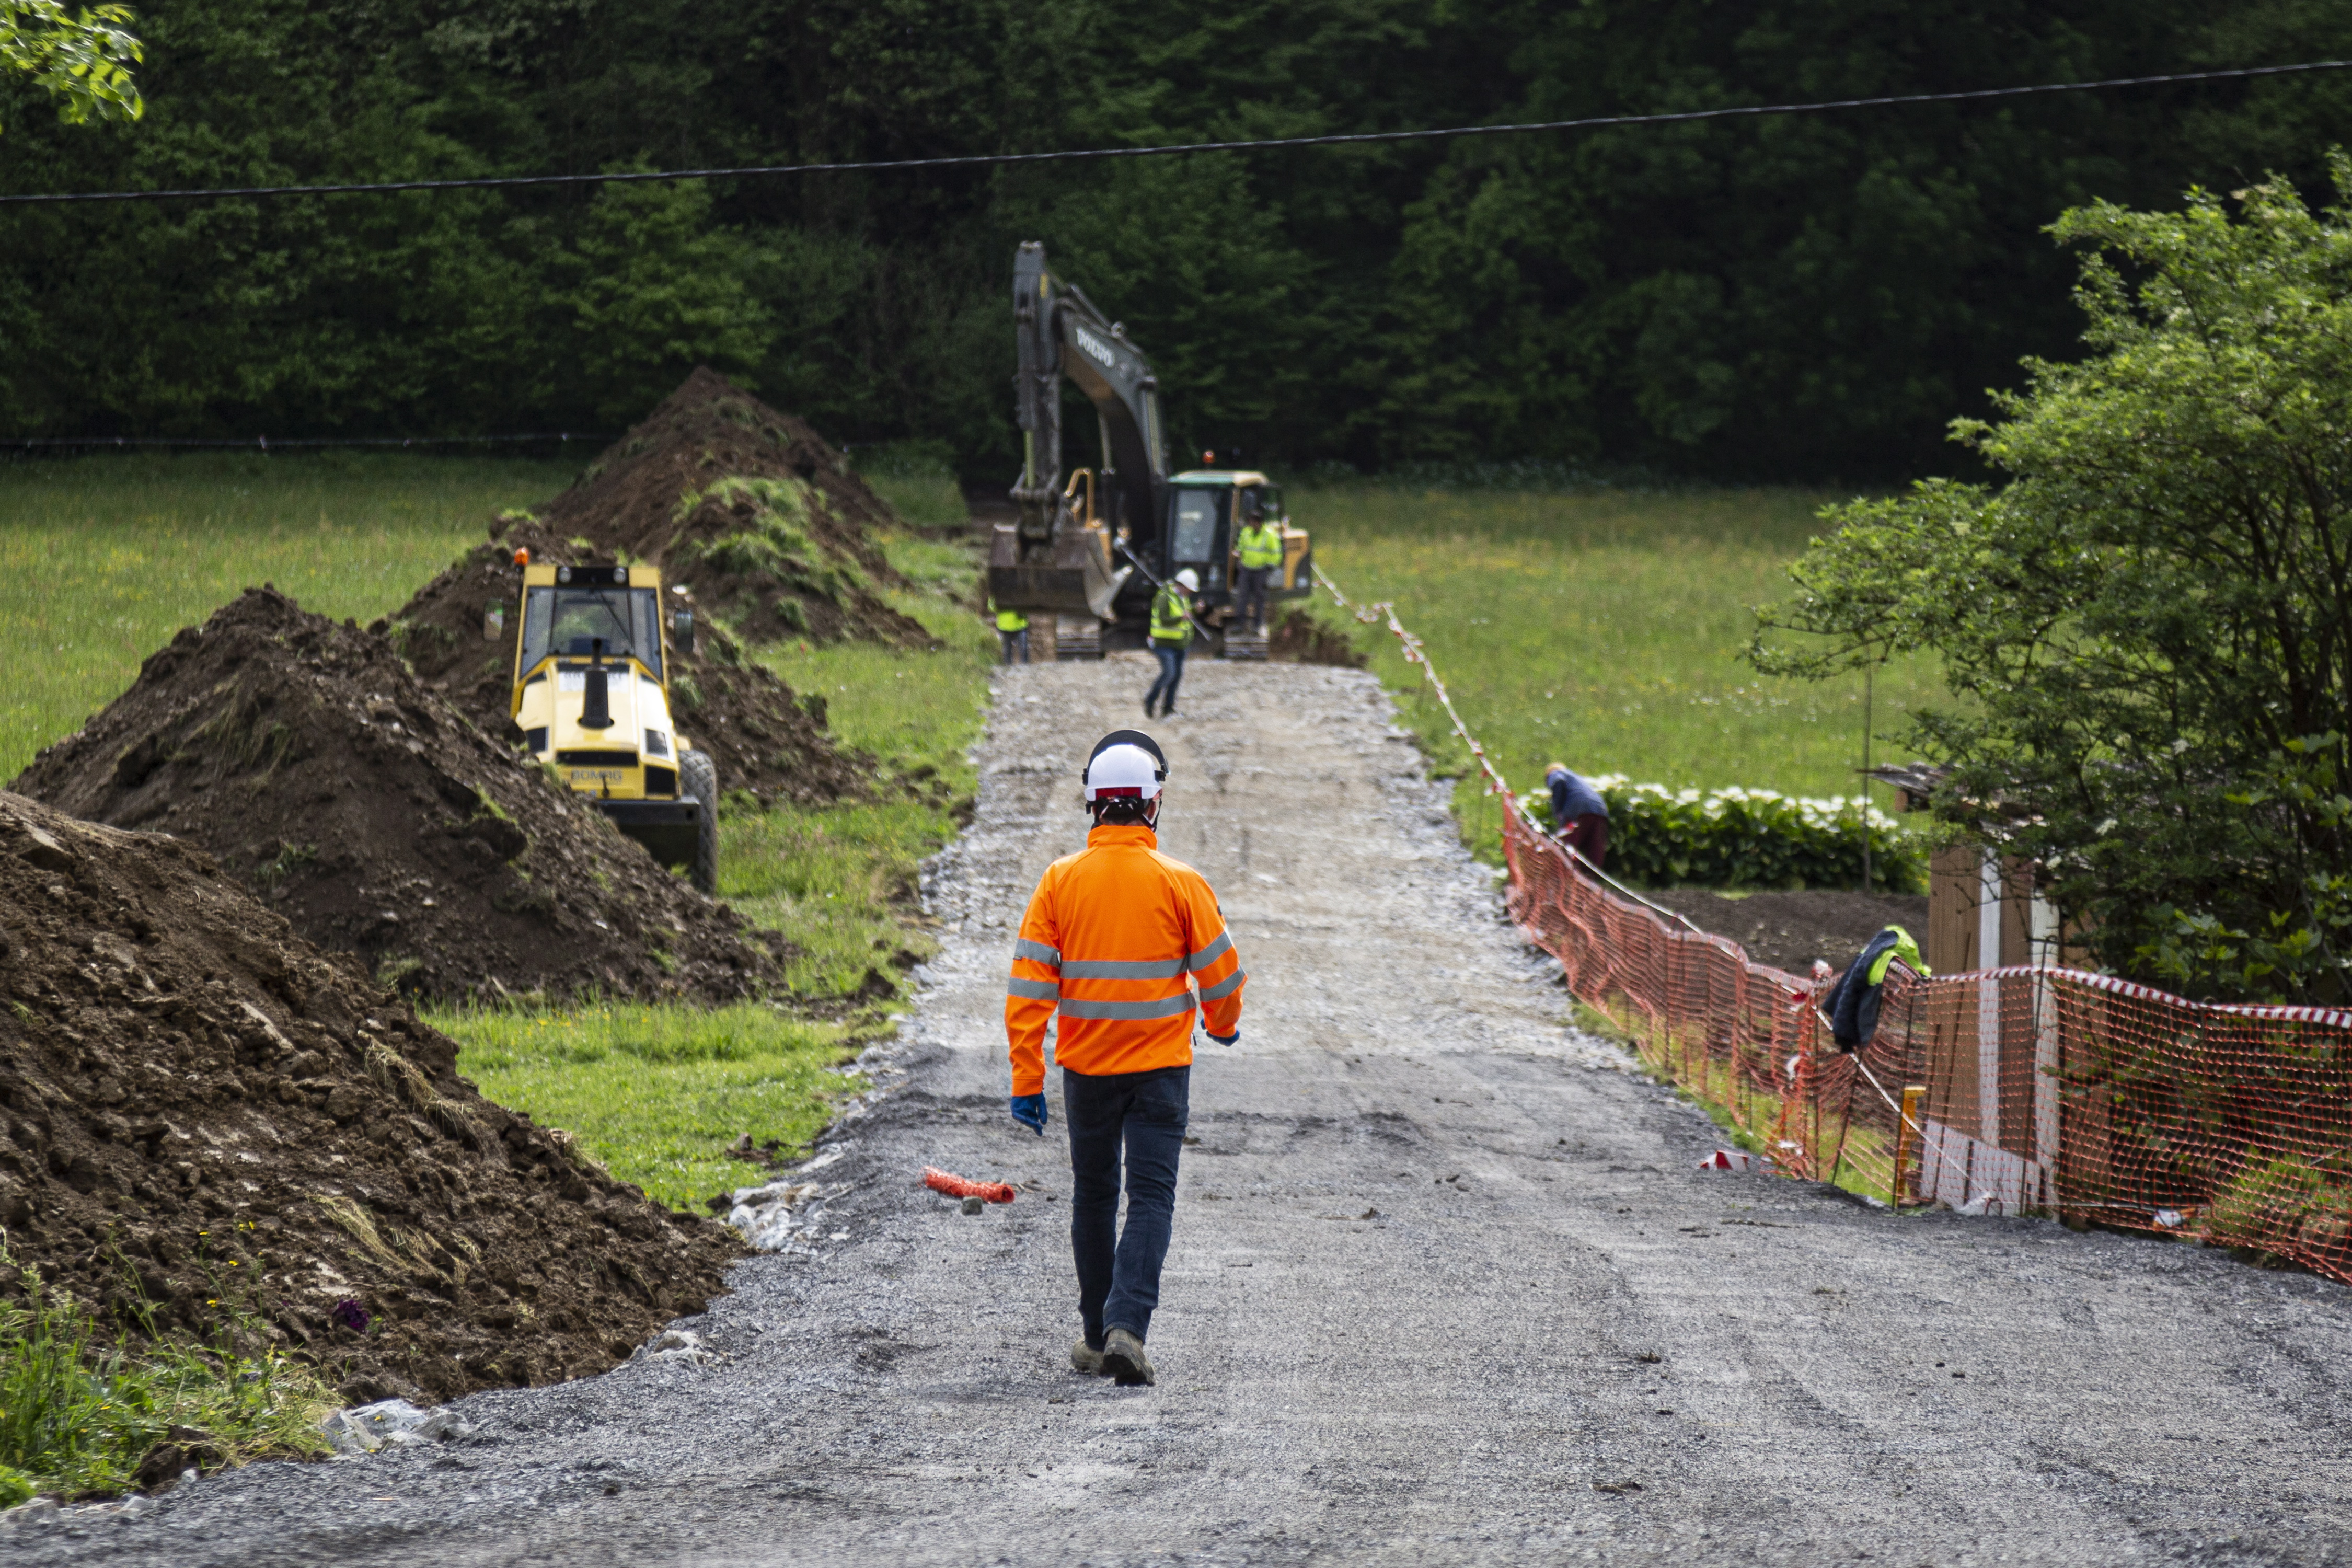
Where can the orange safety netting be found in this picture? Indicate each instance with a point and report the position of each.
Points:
(2010, 1091)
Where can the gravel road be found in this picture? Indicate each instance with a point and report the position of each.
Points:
(1446, 1285)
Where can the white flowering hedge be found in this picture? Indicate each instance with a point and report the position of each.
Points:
(1663, 838)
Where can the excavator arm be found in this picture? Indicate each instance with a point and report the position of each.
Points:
(1051, 560)
(1062, 333)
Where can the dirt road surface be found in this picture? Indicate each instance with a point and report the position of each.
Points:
(1446, 1285)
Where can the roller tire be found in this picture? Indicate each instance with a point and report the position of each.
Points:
(699, 776)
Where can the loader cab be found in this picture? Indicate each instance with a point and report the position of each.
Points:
(591, 699)
(589, 690)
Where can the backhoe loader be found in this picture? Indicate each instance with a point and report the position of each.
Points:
(591, 699)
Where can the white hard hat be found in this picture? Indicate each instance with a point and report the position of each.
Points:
(1125, 760)
(1190, 579)
(1123, 770)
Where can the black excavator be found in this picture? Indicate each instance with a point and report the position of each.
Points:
(1091, 548)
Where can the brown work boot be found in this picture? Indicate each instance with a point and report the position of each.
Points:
(1085, 1358)
(1123, 1359)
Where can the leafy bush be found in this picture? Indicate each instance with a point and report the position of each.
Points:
(2278, 1204)
(1663, 838)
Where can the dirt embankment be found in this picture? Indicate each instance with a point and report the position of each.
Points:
(377, 819)
(751, 508)
(1789, 931)
(1299, 637)
(197, 1107)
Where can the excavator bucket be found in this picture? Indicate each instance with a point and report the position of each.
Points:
(1076, 578)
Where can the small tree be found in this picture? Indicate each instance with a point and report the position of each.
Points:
(2148, 626)
(82, 58)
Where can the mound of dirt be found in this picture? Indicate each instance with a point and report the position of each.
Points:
(379, 820)
(769, 525)
(766, 741)
(1789, 931)
(1299, 637)
(200, 1107)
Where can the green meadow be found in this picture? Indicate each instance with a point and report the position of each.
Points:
(1599, 630)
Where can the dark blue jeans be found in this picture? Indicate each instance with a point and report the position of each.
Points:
(1118, 1272)
(1172, 670)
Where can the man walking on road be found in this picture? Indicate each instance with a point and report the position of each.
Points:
(1111, 936)
(1171, 633)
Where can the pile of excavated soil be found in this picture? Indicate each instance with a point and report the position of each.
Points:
(201, 1109)
(768, 525)
(766, 741)
(1299, 637)
(377, 819)
(1789, 931)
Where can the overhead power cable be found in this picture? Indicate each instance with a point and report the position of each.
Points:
(989, 160)
(264, 444)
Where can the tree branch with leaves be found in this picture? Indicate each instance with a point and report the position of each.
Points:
(82, 58)
(2146, 625)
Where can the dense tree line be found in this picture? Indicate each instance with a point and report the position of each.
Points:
(1800, 297)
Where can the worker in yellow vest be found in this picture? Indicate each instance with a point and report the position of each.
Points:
(1172, 634)
(1259, 545)
(1013, 630)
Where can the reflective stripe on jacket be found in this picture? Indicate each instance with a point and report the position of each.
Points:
(1168, 622)
(1261, 546)
(1011, 621)
(1116, 939)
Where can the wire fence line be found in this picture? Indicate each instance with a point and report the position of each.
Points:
(2024, 1089)
(1080, 154)
(265, 444)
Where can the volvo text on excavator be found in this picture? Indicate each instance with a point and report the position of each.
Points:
(1091, 547)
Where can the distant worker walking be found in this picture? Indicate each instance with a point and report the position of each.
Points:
(1012, 631)
(1112, 935)
(1171, 633)
(1579, 816)
(1259, 546)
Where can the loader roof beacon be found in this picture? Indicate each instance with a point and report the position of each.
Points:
(591, 697)
(1091, 548)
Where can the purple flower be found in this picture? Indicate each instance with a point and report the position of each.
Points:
(351, 1314)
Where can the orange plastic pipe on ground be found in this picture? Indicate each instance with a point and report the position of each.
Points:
(956, 1186)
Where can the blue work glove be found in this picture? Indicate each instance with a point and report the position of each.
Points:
(1029, 1110)
(1226, 1039)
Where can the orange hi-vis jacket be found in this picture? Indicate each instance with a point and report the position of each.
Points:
(1116, 937)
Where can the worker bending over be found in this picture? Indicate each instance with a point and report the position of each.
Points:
(1114, 939)
(1172, 634)
(1580, 817)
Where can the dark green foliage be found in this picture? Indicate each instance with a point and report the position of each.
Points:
(2149, 622)
(1806, 296)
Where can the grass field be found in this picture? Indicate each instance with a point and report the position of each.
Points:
(659, 1093)
(1600, 630)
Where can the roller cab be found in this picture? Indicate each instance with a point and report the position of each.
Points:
(591, 699)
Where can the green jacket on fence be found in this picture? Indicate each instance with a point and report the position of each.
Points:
(1171, 623)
